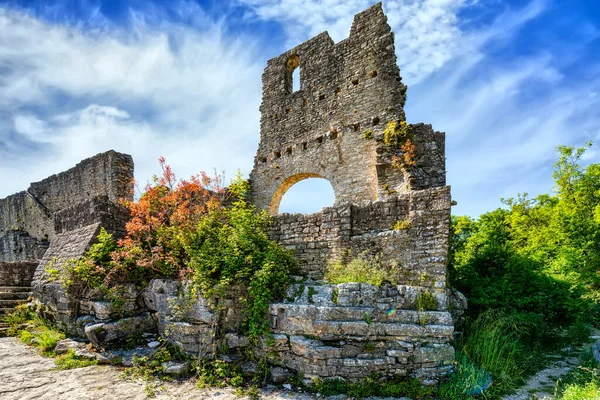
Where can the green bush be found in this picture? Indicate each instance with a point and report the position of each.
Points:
(230, 247)
(71, 361)
(373, 386)
(33, 330)
(363, 269)
(582, 382)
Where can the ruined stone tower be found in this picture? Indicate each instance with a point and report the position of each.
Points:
(346, 90)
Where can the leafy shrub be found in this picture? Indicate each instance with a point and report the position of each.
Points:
(33, 330)
(426, 301)
(193, 230)
(588, 391)
(230, 246)
(582, 382)
(360, 269)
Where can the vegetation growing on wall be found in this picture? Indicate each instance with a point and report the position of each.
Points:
(195, 230)
(398, 136)
(364, 268)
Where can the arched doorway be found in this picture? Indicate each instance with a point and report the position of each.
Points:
(304, 193)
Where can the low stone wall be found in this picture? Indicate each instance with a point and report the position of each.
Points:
(419, 248)
(352, 330)
(321, 330)
(17, 274)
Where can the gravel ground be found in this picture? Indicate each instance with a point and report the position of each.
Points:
(24, 374)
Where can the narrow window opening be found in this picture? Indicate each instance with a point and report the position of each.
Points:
(292, 78)
(304, 145)
(355, 81)
(296, 80)
(320, 139)
(321, 97)
(263, 159)
(375, 121)
(288, 151)
(277, 154)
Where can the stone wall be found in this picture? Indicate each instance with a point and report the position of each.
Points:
(419, 250)
(352, 330)
(17, 273)
(345, 89)
(108, 174)
(57, 219)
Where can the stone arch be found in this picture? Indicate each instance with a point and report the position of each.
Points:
(287, 184)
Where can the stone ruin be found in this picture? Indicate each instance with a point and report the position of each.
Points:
(321, 329)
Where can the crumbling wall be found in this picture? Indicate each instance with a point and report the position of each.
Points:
(354, 329)
(347, 89)
(397, 213)
(107, 174)
(57, 219)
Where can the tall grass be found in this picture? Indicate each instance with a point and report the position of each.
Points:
(495, 345)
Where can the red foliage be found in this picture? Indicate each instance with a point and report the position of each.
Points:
(167, 209)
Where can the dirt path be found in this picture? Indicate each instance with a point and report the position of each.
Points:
(542, 384)
(24, 374)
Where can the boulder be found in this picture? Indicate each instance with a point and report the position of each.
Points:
(102, 333)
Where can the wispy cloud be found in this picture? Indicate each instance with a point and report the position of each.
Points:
(185, 91)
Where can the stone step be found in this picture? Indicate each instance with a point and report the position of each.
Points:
(12, 303)
(15, 296)
(15, 289)
(4, 311)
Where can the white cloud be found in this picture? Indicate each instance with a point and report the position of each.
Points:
(504, 118)
(184, 91)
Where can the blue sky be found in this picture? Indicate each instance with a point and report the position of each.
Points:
(507, 81)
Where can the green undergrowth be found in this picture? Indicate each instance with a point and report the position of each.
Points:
(208, 373)
(151, 369)
(33, 330)
(363, 269)
(373, 385)
(70, 360)
(582, 382)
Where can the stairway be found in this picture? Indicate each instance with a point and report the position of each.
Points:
(10, 297)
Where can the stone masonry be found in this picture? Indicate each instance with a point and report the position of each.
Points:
(333, 128)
